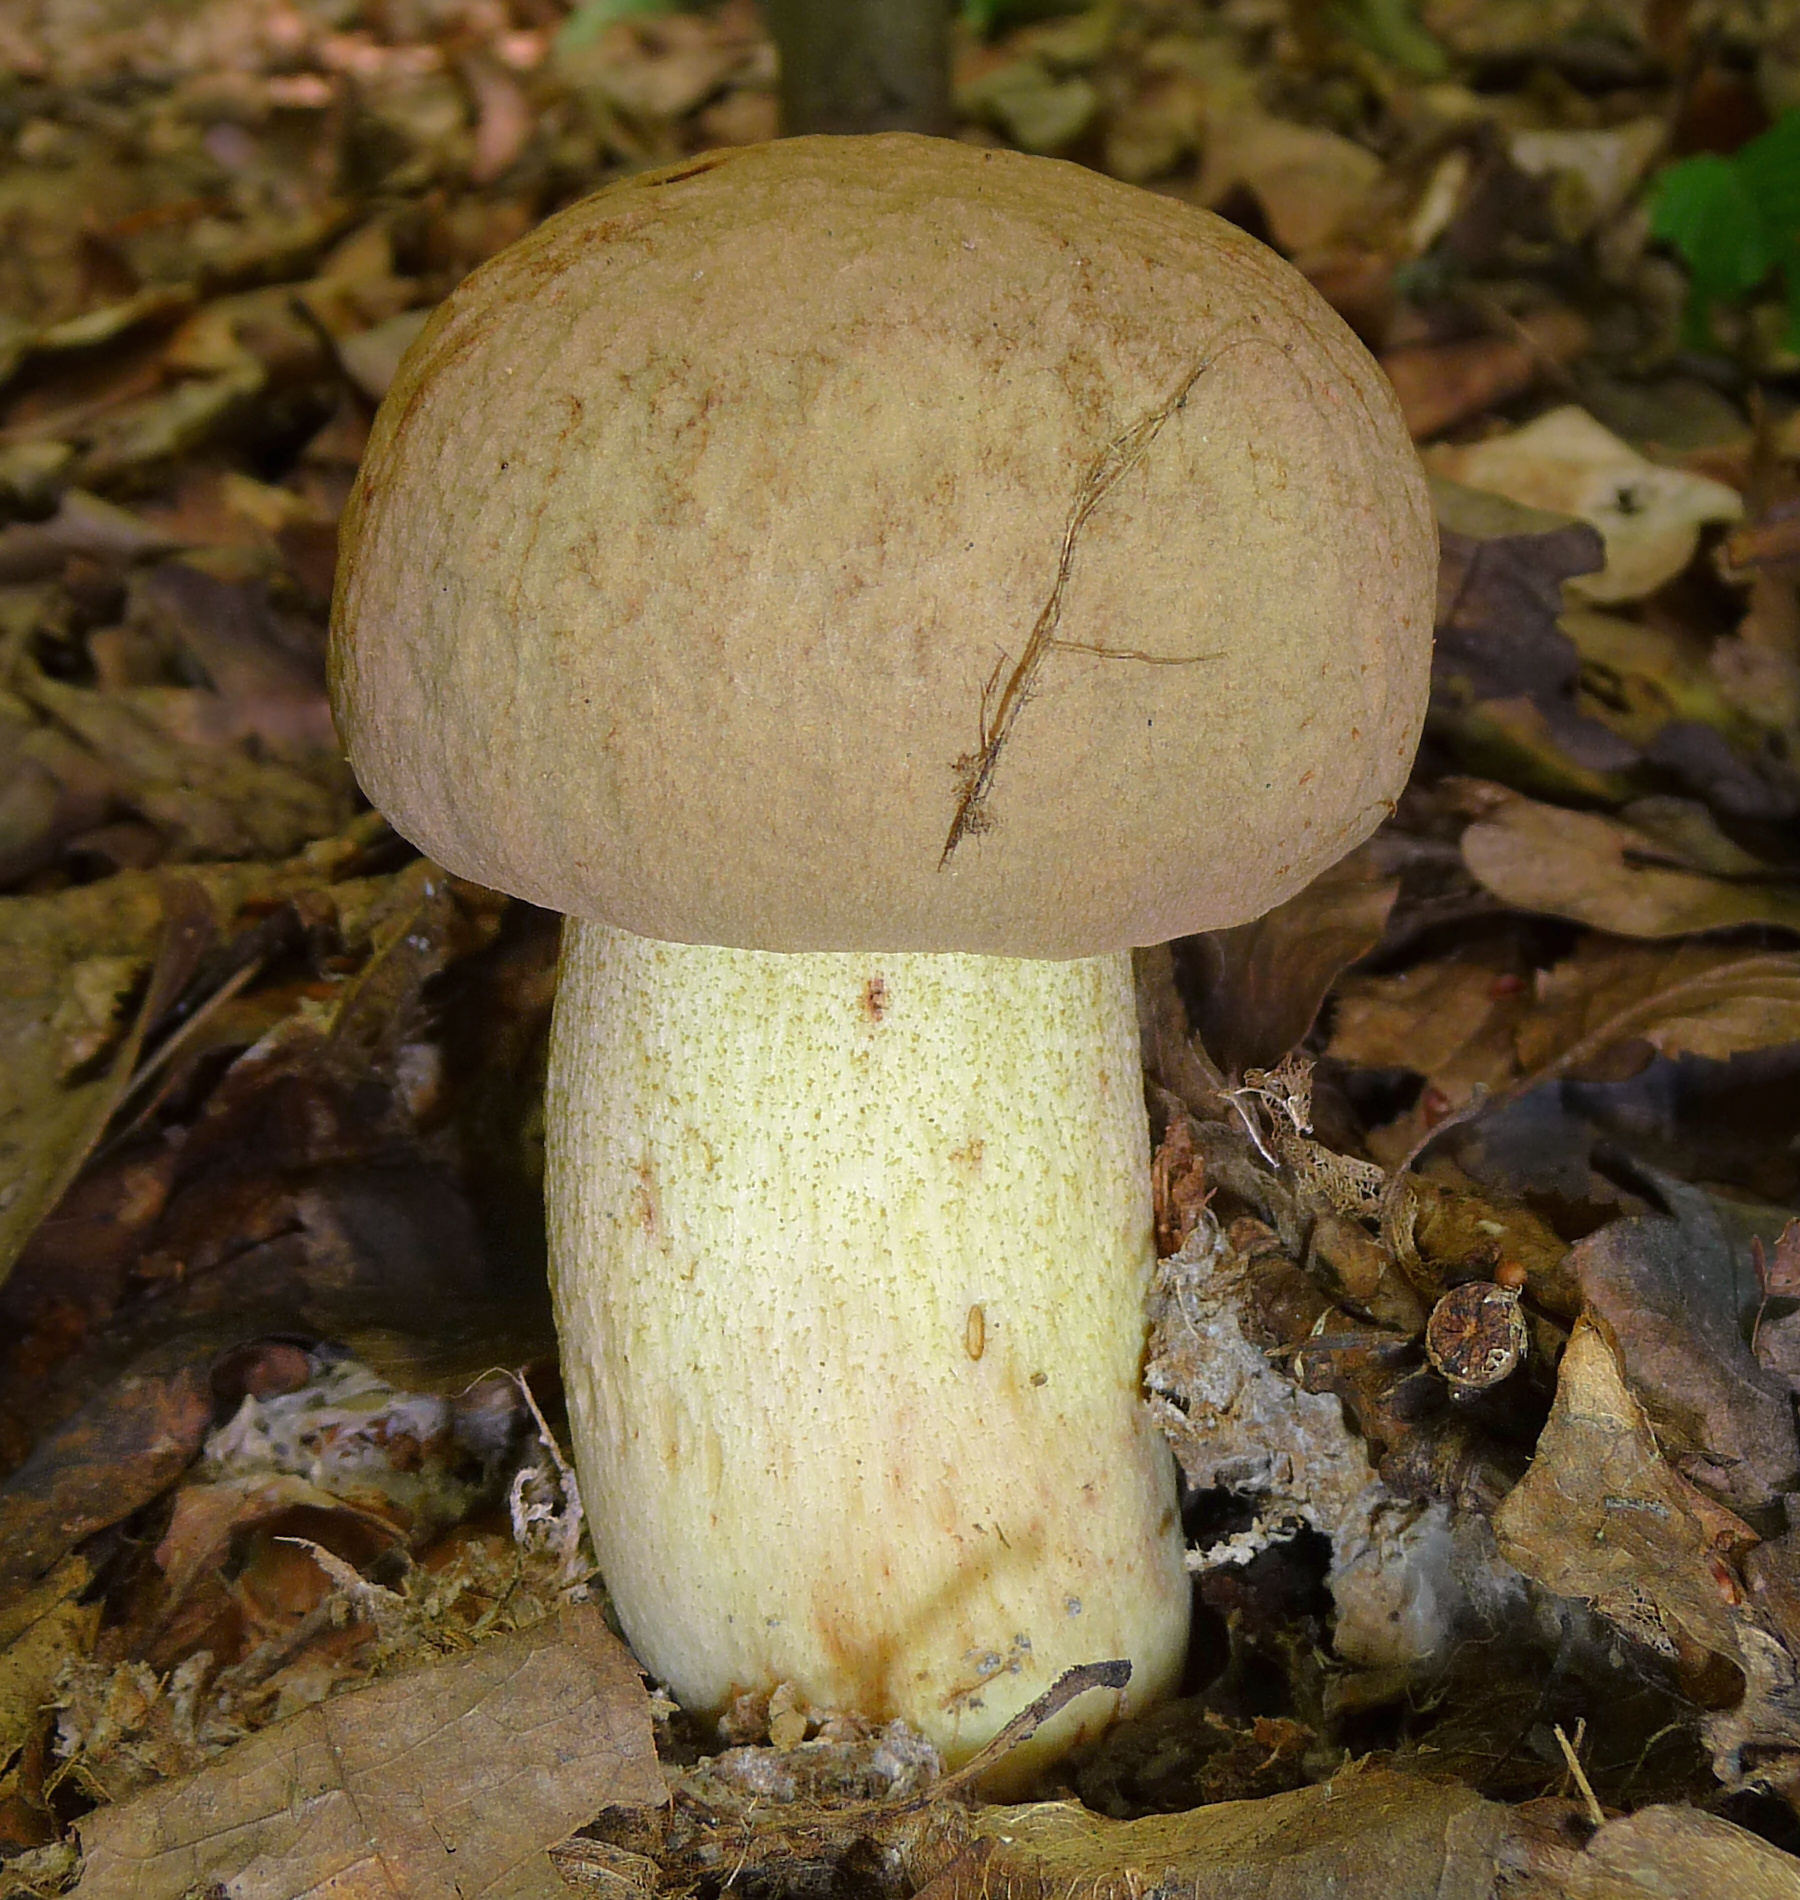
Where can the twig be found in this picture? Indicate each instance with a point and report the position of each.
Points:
(1070, 1684)
(1595, 1813)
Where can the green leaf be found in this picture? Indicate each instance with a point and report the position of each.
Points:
(1770, 168)
(1705, 209)
(985, 18)
(1391, 29)
(593, 17)
(1734, 221)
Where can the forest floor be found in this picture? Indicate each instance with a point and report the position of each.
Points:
(1477, 1161)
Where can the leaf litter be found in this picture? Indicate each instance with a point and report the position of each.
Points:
(1476, 1329)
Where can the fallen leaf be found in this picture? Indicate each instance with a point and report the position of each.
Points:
(1312, 184)
(1671, 1853)
(1757, 790)
(1602, 1516)
(1442, 384)
(1454, 1020)
(1689, 999)
(650, 67)
(266, 671)
(115, 1454)
(1504, 673)
(1367, 1834)
(82, 524)
(372, 357)
(1467, 1021)
(1265, 981)
(1677, 1298)
(1038, 110)
(1606, 165)
(53, 1113)
(1783, 1272)
(48, 1626)
(174, 761)
(1565, 461)
(449, 1781)
(504, 121)
(1638, 678)
(1612, 875)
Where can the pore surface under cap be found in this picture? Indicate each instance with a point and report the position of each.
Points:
(886, 544)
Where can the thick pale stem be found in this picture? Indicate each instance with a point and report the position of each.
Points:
(850, 1255)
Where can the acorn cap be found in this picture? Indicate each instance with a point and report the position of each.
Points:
(886, 544)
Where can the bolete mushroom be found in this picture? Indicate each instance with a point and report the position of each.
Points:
(870, 585)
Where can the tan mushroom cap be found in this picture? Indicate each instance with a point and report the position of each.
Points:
(884, 544)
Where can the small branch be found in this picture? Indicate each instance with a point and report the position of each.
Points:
(1070, 1684)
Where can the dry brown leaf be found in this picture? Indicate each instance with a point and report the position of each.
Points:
(1311, 183)
(1670, 1853)
(1466, 1022)
(46, 1627)
(50, 1116)
(652, 67)
(1038, 109)
(1455, 1021)
(1597, 169)
(1567, 462)
(1614, 876)
(1365, 1835)
(1677, 1298)
(175, 759)
(1266, 980)
(1505, 675)
(449, 1781)
(1782, 1271)
(1602, 1516)
(49, 1011)
(1637, 678)
(1440, 384)
(1689, 999)
(115, 1454)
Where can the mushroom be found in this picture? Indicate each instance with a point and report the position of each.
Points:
(870, 585)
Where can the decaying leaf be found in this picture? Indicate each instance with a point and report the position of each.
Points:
(51, 1114)
(1266, 980)
(1612, 875)
(1455, 1021)
(1602, 1516)
(1505, 674)
(1678, 1299)
(1670, 1853)
(1567, 462)
(1366, 1835)
(1311, 183)
(1687, 999)
(39, 1634)
(1469, 1021)
(1441, 384)
(108, 1459)
(1639, 678)
(448, 1781)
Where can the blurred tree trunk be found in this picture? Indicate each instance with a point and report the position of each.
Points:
(863, 65)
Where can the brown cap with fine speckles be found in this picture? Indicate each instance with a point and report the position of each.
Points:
(886, 544)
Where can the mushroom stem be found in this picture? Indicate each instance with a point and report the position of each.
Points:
(849, 1254)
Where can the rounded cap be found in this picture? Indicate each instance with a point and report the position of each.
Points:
(885, 544)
